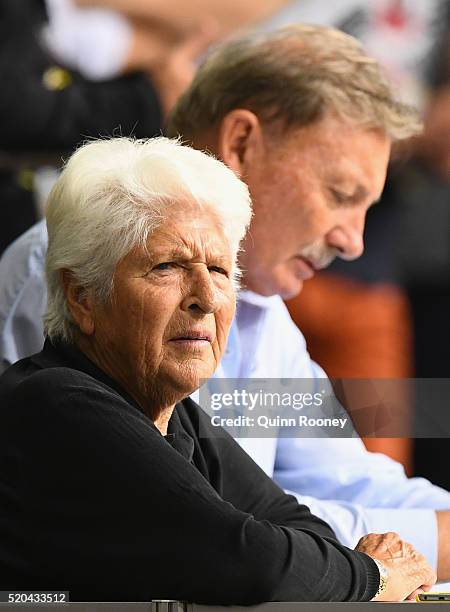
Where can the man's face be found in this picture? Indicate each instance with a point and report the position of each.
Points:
(311, 188)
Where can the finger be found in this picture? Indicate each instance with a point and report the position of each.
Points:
(390, 540)
(412, 552)
(361, 541)
(412, 596)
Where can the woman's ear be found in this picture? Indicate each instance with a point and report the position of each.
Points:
(79, 302)
(240, 140)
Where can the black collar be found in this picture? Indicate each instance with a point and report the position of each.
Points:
(57, 353)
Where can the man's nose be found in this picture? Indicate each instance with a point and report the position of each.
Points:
(201, 294)
(347, 238)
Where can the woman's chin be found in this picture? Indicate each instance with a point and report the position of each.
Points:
(190, 378)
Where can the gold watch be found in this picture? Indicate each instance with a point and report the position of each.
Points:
(383, 578)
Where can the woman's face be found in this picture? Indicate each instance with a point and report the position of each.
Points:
(166, 326)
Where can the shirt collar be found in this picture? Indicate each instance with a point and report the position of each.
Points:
(177, 436)
(256, 299)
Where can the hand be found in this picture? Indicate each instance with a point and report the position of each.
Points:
(408, 571)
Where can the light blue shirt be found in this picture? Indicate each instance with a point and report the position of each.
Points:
(355, 491)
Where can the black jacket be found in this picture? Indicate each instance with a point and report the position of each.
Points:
(94, 500)
(36, 118)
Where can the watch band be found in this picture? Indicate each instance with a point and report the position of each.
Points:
(383, 577)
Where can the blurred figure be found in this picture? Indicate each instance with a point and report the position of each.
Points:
(102, 43)
(96, 42)
(48, 107)
(229, 15)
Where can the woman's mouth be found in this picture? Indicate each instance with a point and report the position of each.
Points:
(192, 338)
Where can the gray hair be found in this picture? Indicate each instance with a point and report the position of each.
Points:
(109, 198)
(295, 74)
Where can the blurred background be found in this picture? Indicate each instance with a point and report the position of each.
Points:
(74, 69)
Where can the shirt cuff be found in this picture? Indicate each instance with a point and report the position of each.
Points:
(416, 526)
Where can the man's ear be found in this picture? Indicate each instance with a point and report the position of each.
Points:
(240, 140)
(79, 303)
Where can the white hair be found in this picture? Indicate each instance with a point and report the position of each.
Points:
(109, 198)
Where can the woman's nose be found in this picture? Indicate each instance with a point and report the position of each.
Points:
(201, 295)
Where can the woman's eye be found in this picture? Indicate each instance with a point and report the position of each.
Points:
(166, 265)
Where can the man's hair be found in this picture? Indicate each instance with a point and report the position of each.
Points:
(296, 74)
(109, 198)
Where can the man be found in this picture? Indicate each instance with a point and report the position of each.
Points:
(306, 119)
(373, 338)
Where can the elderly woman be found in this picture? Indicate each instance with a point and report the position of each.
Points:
(107, 489)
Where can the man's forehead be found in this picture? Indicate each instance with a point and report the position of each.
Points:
(335, 139)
